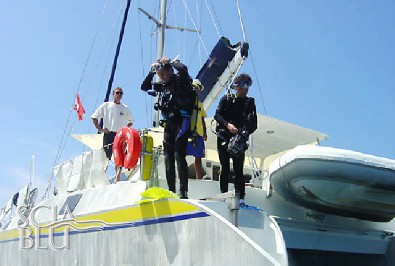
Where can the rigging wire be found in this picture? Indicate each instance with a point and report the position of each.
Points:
(63, 140)
(259, 85)
(106, 64)
(252, 60)
(219, 32)
(142, 63)
(196, 46)
(141, 40)
(176, 32)
(199, 16)
(92, 44)
(196, 28)
(252, 159)
(152, 58)
(185, 37)
(241, 21)
(102, 80)
(184, 34)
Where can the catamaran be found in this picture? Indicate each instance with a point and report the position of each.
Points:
(89, 221)
(306, 204)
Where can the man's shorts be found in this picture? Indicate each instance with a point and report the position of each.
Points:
(196, 147)
(108, 140)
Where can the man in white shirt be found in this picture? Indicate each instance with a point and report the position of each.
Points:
(115, 115)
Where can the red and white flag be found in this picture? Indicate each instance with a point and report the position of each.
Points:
(79, 108)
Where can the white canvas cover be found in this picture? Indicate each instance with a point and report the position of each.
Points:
(22, 198)
(94, 176)
(76, 178)
(86, 168)
(63, 173)
(84, 171)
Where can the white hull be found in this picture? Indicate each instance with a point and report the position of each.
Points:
(167, 240)
(161, 232)
(306, 228)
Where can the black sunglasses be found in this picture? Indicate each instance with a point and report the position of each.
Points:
(119, 92)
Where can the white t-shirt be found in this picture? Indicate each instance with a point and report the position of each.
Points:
(114, 115)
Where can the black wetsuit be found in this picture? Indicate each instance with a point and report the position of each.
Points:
(176, 104)
(241, 112)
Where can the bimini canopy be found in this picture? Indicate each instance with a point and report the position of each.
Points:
(272, 136)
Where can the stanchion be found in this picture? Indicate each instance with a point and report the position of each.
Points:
(234, 206)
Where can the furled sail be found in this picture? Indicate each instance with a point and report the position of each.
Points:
(224, 62)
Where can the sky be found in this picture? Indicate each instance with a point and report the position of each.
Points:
(324, 65)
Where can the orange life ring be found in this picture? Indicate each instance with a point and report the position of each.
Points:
(127, 147)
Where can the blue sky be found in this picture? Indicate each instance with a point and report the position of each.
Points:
(324, 65)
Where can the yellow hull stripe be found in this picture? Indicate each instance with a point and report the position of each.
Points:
(145, 213)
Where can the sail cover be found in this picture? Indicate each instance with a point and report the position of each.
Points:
(224, 62)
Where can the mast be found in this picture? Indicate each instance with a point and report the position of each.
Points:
(115, 62)
(114, 65)
(159, 53)
(161, 30)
